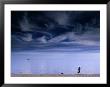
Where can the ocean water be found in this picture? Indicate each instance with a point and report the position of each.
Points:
(50, 62)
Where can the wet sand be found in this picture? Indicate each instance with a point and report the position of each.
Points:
(55, 75)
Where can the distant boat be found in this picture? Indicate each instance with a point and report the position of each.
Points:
(28, 59)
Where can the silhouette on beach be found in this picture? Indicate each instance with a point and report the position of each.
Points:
(62, 73)
(79, 70)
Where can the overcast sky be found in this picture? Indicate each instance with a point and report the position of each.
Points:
(50, 29)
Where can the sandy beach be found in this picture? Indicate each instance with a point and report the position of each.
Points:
(54, 75)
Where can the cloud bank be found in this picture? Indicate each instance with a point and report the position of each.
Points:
(51, 29)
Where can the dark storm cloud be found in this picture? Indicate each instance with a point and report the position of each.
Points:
(48, 28)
